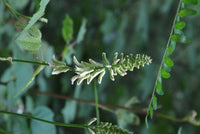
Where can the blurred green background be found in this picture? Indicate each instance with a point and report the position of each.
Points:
(128, 26)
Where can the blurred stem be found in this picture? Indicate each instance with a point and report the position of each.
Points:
(46, 121)
(31, 62)
(162, 61)
(171, 118)
(108, 106)
(14, 12)
(96, 102)
(4, 131)
(10, 59)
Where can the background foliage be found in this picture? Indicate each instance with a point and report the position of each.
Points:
(99, 26)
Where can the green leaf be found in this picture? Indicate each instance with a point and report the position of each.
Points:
(38, 127)
(82, 31)
(30, 80)
(30, 40)
(168, 61)
(187, 12)
(21, 126)
(151, 111)
(180, 25)
(159, 90)
(11, 92)
(7, 75)
(154, 102)
(180, 38)
(146, 121)
(170, 49)
(191, 2)
(165, 74)
(67, 28)
(37, 15)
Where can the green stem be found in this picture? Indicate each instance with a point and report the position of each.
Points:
(10, 59)
(31, 62)
(96, 102)
(15, 13)
(105, 106)
(4, 131)
(162, 61)
(46, 121)
(12, 11)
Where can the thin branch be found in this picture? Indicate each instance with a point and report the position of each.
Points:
(32, 62)
(96, 102)
(72, 44)
(10, 59)
(50, 122)
(105, 106)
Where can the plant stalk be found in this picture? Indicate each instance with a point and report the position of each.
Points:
(46, 121)
(10, 59)
(96, 102)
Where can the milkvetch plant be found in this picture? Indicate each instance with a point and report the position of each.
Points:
(30, 40)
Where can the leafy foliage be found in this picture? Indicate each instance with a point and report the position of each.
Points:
(38, 127)
(67, 29)
(176, 36)
(117, 26)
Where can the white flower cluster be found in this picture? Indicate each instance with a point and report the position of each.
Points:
(106, 128)
(89, 70)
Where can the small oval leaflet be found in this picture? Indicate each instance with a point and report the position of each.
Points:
(180, 38)
(168, 61)
(187, 12)
(180, 25)
(165, 74)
